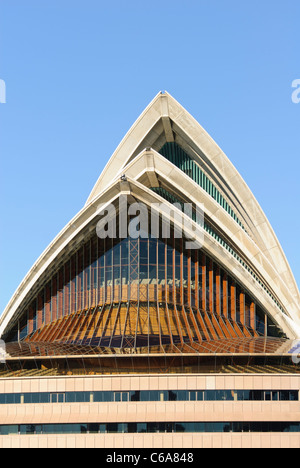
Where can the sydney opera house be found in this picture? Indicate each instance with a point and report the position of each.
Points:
(156, 336)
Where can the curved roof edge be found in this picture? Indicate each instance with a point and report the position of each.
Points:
(164, 106)
(85, 217)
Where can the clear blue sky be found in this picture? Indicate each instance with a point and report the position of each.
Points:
(79, 72)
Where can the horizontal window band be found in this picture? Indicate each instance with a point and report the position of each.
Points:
(149, 395)
(150, 428)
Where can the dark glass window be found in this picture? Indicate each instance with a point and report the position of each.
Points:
(142, 428)
(112, 428)
(268, 396)
(9, 429)
(94, 428)
(10, 398)
(132, 428)
(135, 396)
(294, 395)
(28, 429)
(210, 395)
(172, 396)
(284, 395)
(257, 395)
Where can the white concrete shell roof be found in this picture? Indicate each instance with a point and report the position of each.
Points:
(164, 120)
(165, 114)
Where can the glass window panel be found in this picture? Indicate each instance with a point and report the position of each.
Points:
(70, 397)
(83, 428)
(112, 428)
(42, 398)
(161, 253)
(27, 429)
(154, 395)
(27, 398)
(172, 396)
(210, 395)
(268, 396)
(108, 272)
(135, 396)
(152, 252)
(294, 427)
(142, 428)
(294, 395)
(257, 395)
(102, 428)
(144, 252)
(10, 398)
(199, 427)
(79, 397)
(240, 395)
(108, 397)
(117, 273)
(164, 396)
(182, 395)
(94, 428)
(108, 258)
(124, 252)
(152, 273)
(167, 427)
(246, 395)
(143, 272)
(9, 429)
(125, 274)
(284, 395)
(161, 273)
(153, 427)
(132, 428)
(117, 257)
(210, 427)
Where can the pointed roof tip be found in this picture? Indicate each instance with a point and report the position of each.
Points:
(164, 92)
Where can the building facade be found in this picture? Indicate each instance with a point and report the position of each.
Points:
(165, 314)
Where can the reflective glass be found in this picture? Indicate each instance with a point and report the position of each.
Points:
(294, 395)
(135, 396)
(268, 396)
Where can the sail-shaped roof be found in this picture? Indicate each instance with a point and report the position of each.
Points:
(165, 157)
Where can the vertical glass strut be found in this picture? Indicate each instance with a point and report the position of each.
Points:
(141, 293)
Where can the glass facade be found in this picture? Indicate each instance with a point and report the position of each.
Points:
(150, 427)
(149, 395)
(198, 298)
(176, 155)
